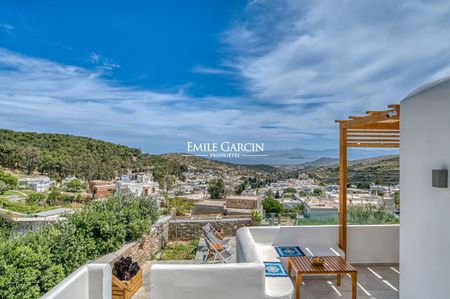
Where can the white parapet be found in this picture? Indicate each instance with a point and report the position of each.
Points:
(91, 281)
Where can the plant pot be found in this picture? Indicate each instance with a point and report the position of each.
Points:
(126, 289)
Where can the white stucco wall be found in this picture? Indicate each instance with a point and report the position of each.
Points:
(91, 281)
(367, 244)
(425, 211)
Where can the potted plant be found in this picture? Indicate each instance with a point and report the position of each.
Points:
(127, 278)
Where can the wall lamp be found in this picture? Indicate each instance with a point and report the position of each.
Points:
(440, 178)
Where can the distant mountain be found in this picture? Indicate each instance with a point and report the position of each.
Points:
(324, 161)
(299, 156)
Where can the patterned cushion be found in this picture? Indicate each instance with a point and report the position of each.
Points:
(285, 251)
(274, 269)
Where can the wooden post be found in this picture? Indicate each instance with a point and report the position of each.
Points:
(343, 190)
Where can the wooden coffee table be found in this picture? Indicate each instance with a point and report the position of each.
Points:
(332, 265)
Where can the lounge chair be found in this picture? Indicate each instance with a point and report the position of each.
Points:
(214, 238)
(209, 228)
(220, 253)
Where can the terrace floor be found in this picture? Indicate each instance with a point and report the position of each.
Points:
(374, 281)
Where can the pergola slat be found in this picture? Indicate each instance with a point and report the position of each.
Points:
(377, 129)
(380, 145)
(390, 135)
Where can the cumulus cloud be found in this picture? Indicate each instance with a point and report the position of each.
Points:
(344, 56)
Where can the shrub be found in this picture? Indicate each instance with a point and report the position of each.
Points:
(54, 196)
(34, 263)
(370, 214)
(8, 179)
(75, 185)
(272, 205)
(181, 205)
(3, 187)
(256, 216)
(6, 225)
(216, 189)
(317, 192)
(35, 197)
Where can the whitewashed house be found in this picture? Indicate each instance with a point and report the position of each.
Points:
(37, 184)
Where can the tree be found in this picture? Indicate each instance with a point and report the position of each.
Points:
(30, 158)
(216, 189)
(8, 179)
(271, 205)
(35, 197)
(317, 192)
(75, 185)
(54, 196)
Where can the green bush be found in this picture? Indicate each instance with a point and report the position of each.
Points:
(181, 205)
(216, 189)
(370, 214)
(6, 225)
(54, 196)
(3, 187)
(8, 179)
(34, 263)
(36, 197)
(22, 207)
(75, 185)
(256, 217)
(271, 205)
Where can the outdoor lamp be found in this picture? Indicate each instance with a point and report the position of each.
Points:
(440, 178)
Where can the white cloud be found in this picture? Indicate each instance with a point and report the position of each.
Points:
(41, 95)
(211, 71)
(345, 56)
(103, 64)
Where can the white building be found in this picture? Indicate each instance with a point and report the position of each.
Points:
(143, 185)
(37, 184)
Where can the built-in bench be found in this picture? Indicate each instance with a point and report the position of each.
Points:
(255, 245)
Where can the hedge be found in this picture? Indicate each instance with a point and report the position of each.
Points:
(32, 264)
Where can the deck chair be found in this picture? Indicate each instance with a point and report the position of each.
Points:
(214, 238)
(209, 228)
(220, 254)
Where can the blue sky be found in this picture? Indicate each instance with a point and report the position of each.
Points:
(156, 74)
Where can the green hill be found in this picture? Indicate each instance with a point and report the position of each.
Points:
(384, 170)
(60, 155)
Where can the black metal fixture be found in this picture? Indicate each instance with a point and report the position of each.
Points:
(440, 178)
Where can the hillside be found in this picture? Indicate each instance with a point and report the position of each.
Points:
(200, 163)
(384, 169)
(60, 155)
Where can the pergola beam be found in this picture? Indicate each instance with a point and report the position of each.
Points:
(377, 129)
(343, 189)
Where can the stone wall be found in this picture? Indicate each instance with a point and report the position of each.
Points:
(183, 229)
(144, 248)
(242, 202)
(24, 225)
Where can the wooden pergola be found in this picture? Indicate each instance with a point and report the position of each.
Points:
(380, 129)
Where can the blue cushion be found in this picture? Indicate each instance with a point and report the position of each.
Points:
(274, 269)
(285, 251)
